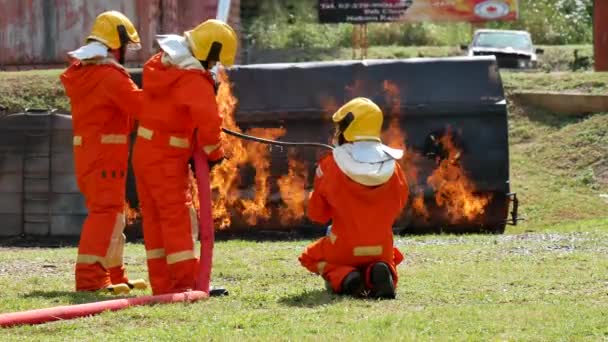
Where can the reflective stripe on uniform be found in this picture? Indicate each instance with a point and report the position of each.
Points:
(155, 253)
(90, 259)
(321, 267)
(145, 133)
(332, 237)
(114, 139)
(174, 141)
(319, 172)
(77, 140)
(193, 224)
(178, 142)
(210, 148)
(114, 255)
(367, 250)
(105, 139)
(180, 256)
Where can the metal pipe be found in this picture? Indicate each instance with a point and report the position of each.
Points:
(276, 142)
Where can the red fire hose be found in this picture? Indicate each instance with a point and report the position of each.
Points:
(205, 221)
(81, 310)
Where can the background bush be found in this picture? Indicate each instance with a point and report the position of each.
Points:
(293, 24)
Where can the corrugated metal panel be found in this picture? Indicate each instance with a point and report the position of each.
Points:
(41, 32)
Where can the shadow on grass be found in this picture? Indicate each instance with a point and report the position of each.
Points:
(72, 297)
(311, 298)
(545, 117)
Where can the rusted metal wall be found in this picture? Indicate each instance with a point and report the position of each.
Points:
(600, 35)
(38, 33)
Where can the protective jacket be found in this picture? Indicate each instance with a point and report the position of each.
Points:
(104, 103)
(179, 102)
(362, 199)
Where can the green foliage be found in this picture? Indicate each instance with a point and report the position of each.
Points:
(554, 22)
(293, 24)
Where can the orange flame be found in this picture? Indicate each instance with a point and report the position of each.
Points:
(258, 156)
(293, 192)
(131, 214)
(396, 138)
(225, 177)
(193, 190)
(454, 190)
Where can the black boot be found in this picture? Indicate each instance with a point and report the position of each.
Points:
(382, 281)
(353, 284)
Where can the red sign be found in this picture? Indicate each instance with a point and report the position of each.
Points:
(345, 11)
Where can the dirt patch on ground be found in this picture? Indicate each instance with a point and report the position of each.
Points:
(600, 172)
(22, 268)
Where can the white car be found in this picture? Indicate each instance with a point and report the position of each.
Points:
(513, 49)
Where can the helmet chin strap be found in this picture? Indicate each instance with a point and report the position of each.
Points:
(124, 41)
(341, 127)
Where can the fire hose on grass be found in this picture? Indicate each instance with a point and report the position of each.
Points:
(202, 288)
(81, 310)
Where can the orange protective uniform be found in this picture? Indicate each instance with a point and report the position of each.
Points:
(362, 219)
(104, 101)
(176, 102)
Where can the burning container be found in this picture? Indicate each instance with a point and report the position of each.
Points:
(450, 115)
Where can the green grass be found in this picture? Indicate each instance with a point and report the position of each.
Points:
(541, 286)
(577, 82)
(32, 89)
(559, 166)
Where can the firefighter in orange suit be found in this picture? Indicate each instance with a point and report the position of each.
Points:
(361, 189)
(179, 114)
(104, 101)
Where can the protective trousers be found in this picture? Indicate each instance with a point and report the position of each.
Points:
(160, 162)
(101, 168)
(335, 261)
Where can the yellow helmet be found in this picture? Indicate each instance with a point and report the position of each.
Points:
(213, 40)
(359, 119)
(114, 29)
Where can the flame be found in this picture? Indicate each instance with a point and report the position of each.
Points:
(396, 138)
(225, 178)
(419, 208)
(193, 190)
(131, 214)
(258, 156)
(292, 187)
(453, 189)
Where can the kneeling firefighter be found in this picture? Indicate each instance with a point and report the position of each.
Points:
(104, 102)
(179, 114)
(362, 190)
